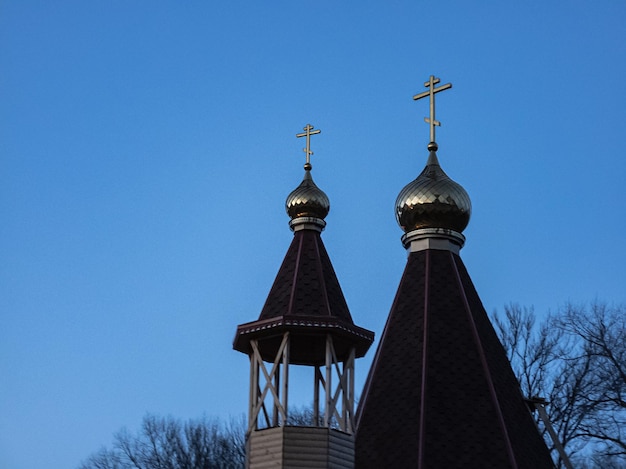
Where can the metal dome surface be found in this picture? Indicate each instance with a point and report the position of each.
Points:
(307, 200)
(433, 200)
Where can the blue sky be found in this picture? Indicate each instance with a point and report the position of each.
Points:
(147, 148)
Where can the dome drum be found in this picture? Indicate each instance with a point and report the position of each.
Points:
(307, 223)
(433, 238)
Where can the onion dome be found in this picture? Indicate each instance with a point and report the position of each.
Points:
(433, 200)
(307, 200)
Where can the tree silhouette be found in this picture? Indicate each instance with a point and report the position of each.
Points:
(576, 361)
(166, 443)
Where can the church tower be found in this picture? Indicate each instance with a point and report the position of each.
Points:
(440, 392)
(304, 323)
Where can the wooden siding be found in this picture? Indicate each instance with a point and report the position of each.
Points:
(300, 447)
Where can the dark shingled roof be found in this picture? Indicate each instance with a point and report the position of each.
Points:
(307, 301)
(441, 392)
(306, 283)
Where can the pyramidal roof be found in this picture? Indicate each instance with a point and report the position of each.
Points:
(441, 392)
(306, 283)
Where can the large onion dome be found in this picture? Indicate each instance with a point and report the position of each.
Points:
(307, 200)
(433, 200)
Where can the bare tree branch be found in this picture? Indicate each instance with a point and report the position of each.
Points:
(576, 360)
(165, 443)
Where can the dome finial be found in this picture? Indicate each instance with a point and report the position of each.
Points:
(308, 131)
(433, 205)
(430, 84)
(307, 205)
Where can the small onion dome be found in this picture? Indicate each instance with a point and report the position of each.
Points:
(433, 200)
(307, 200)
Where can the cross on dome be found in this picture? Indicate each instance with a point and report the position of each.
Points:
(308, 131)
(430, 84)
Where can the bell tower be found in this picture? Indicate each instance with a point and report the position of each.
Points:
(304, 323)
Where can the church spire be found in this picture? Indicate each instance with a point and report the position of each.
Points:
(441, 392)
(304, 323)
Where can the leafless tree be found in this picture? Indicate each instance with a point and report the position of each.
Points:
(601, 335)
(166, 443)
(576, 360)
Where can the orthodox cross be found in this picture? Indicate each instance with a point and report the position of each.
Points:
(308, 131)
(430, 84)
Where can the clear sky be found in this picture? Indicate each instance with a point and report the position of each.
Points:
(147, 148)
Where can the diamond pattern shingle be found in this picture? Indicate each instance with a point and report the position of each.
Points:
(305, 300)
(440, 393)
(306, 283)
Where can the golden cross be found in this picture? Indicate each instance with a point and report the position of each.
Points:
(430, 84)
(308, 131)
